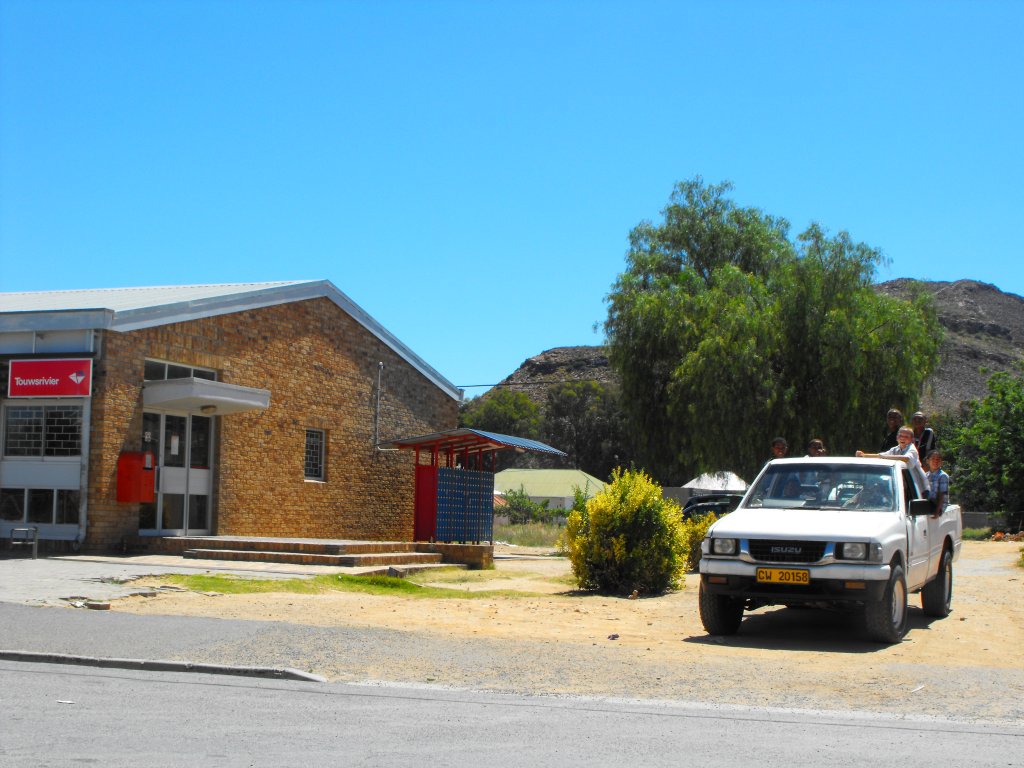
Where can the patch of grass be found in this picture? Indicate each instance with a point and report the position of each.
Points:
(529, 534)
(976, 534)
(372, 585)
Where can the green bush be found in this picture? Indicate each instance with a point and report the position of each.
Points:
(694, 531)
(627, 538)
(521, 509)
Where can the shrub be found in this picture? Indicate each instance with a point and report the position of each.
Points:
(521, 509)
(694, 531)
(627, 538)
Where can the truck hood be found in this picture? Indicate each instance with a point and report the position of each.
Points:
(806, 524)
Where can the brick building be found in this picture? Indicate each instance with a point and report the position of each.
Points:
(259, 406)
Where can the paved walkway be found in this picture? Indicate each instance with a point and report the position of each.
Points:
(56, 580)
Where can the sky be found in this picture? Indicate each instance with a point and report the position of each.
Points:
(469, 172)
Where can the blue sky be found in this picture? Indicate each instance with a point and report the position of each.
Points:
(469, 172)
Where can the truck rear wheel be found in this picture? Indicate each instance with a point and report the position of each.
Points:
(886, 620)
(937, 595)
(720, 614)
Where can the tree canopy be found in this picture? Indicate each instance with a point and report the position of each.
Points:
(987, 450)
(582, 418)
(725, 333)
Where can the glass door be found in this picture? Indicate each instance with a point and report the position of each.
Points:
(183, 447)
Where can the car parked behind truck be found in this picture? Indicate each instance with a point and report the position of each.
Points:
(851, 533)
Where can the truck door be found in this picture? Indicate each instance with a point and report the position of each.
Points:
(927, 539)
(918, 544)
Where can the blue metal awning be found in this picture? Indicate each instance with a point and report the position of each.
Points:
(457, 440)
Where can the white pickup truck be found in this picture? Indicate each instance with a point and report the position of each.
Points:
(854, 533)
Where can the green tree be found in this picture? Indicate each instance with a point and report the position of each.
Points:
(986, 450)
(584, 419)
(503, 411)
(725, 333)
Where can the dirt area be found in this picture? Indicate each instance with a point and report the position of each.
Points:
(558, 641)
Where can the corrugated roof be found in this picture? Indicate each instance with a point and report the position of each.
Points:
(553, 483)
(125, 299)
(456, 440)
(128, 309)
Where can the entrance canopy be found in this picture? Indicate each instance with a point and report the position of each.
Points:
(213, 398)
(469, 441)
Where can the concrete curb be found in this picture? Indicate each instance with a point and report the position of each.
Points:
(271, 673)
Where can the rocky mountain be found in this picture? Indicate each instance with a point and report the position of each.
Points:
(984, 329)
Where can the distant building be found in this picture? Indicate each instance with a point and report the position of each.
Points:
(555, 486)
(245, 410)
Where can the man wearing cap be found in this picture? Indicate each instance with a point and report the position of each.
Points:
(924, 436)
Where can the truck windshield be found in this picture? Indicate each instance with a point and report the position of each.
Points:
(821, 486)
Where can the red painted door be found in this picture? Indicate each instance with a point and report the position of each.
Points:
(425, 514)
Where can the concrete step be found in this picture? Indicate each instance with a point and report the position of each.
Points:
(305, 546)
(382, 560)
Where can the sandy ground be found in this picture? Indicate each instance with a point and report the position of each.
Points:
(557, 641)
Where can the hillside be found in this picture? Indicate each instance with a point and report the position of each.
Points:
(984, 328)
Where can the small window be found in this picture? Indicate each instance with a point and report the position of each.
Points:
(314, 464)
(156, 370)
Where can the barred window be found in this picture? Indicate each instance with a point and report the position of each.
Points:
(315, 442)
(43, 430)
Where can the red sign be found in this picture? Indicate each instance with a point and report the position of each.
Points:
(50, 378)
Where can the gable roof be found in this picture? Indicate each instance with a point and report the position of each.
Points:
(553, 483)
(129, 309)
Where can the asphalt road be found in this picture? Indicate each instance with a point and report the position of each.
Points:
(72, 716)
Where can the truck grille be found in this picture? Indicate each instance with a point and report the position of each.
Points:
(772, 551)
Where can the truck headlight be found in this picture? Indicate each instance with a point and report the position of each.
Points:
(724, 546)
(852, 550)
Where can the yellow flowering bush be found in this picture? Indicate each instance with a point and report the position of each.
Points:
(694, 531)
(627, 538)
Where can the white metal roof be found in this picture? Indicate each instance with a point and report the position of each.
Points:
(128, 309)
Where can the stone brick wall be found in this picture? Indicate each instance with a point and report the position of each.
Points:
(320, 367)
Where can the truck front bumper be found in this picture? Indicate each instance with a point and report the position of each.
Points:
(832, 583)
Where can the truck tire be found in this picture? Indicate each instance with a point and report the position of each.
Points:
(720, 614)
(886, 620)
(937, 595)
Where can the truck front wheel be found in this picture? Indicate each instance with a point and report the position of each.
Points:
(720, 614)
(886, 620)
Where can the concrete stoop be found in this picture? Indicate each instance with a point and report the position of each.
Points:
(379, 556)
(309, 558)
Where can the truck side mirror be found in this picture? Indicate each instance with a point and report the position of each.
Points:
(921, 507)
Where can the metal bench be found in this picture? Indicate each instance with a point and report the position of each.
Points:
(26, 536)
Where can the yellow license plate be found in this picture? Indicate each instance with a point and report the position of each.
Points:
(783, 576)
